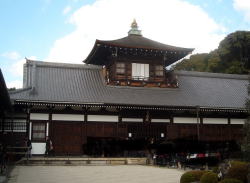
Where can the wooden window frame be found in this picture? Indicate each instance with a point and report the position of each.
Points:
(159, 68)
(41, 131)
(120, 68)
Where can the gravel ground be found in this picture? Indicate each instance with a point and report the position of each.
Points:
(94, 174)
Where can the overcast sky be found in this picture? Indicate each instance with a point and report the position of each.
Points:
(65, 30)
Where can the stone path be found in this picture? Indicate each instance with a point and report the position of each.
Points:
(94, 174)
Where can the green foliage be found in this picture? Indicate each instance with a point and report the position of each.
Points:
(230, 181)
(232, 56)
(215, 169)
(238, 170)
(12, 89)
(192, 176)
(195, 63)
(198, 174)
(187, 178)
(235, 48)
(209, 177)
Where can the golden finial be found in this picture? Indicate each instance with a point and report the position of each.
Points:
(134, 24)
(134, 29)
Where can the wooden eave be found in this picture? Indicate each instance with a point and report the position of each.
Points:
(93, 57)
(134, 107)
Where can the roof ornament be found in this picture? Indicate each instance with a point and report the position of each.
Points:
(134, 29)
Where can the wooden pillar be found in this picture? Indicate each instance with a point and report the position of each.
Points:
(171, 119)
(50, 123)
(84, 126)
(229, 121)
(83, 137)
(229, 126)
(28, 122)
(2, 125)
(198, 122)
(12, 121)
(2, 122)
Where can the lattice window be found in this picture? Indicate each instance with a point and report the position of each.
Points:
(38, 131)
(120, 68)
(140, 71)
(159, 70)
(13, 125)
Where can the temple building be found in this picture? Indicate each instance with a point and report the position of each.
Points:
(124, 102)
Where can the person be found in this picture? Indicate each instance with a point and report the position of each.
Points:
(49, 146)
(154, 159)
(2, 158)
(29, 147)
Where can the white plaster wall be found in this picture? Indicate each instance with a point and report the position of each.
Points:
(68, 117)
(238, 121)
(20, 120)
(17, 115)
(105, 118)
(132, 119)
(185, 120)
(38, 148)
(47, 129)
(16, 120)
(30, 130)
(215, 120)
(39, 116)
(161, 120)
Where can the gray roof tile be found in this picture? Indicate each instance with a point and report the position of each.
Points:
(78, 83)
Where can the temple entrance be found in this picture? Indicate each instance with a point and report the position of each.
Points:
(116, 147)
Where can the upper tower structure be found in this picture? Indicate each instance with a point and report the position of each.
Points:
(136, 60)
(134, 29)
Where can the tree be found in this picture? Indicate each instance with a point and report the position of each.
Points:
(232, 56)
(195, 63)
(12, 89)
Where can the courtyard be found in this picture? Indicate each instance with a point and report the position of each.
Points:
(94, 174)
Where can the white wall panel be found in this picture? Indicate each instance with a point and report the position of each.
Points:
(132, 119)
(38, 148)
(19, 120)
(68, 117)
(39, 116)
(161, 120)
(184, 120)
(215, 120)
(30, 130)
(238, 121)
(15, 120)
(17, 115)
(104, 118)
(146, 74)
(47, 129)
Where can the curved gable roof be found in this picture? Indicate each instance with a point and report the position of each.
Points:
(135, 42)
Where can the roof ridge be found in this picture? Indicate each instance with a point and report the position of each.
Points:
(19, 90)
(212, 75)
(61, 65)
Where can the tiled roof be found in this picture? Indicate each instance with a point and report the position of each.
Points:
(79, 83)
(5, 103)
(135, 41)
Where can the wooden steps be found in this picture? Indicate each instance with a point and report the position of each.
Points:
(82, 161)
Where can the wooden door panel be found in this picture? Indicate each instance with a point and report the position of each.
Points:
(67, 137)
